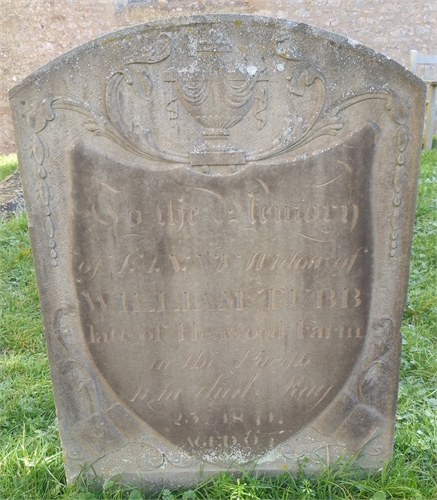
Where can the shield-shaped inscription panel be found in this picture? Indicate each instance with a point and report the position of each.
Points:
(225, 312)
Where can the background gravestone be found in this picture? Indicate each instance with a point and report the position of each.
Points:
(221, 211)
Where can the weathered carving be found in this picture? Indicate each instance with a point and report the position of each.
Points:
(61, 329)
(376, 373)
(218, 98)
(149, 457)
(79, 454)
(218, 195)
(337, 421)
(399, 179)
(38, 114)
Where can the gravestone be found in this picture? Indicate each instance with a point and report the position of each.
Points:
(221, 211)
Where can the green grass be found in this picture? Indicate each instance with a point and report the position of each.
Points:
(30, 455)
(8, 165)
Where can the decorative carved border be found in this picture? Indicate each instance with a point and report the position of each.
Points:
(38, 114)
(399, 179)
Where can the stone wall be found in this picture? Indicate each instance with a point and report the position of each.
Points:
(35, 31)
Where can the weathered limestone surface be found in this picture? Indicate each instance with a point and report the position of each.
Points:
(36, 31)
(221, 211)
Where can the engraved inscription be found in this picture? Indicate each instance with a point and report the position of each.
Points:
(220, 293)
